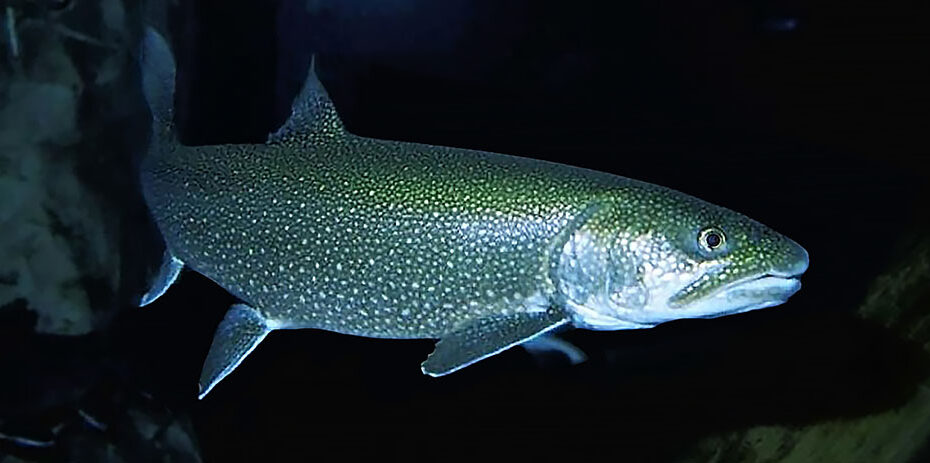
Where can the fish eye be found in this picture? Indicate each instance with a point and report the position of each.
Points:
(711, 238)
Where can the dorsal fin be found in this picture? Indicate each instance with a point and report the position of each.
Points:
(312, 114)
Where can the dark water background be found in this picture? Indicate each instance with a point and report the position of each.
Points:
(809, 118)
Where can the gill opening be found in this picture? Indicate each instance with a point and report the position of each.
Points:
(562, 237)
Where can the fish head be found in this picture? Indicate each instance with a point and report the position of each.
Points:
(663, 256)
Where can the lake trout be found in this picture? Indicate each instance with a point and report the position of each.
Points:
(320, 228)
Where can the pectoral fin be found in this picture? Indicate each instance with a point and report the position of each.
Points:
(238, 334)
(548, 344)
(486, 337)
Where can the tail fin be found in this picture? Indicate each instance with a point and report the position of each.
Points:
(158, 70)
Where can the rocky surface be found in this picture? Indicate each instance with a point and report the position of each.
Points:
(72, 247)
(63, 174)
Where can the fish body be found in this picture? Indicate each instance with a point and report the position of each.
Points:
(320, 228)
(371, 237)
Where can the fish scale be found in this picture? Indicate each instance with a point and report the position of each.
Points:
(369, 237)
(321, 228)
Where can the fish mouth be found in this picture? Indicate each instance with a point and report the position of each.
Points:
(767, 286)
(752, 293)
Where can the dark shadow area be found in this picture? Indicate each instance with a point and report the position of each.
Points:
(653, 393)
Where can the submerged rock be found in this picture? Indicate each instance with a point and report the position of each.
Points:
(60, 249)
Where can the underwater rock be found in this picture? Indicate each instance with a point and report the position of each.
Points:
(898, 300)
(59, 253)
(893, 436)
(36, 258)
(125, 427)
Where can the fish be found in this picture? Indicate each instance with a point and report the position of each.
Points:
(319, 228)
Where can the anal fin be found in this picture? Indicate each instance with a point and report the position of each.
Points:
(167, 273)
(241, 330)
(488, 336)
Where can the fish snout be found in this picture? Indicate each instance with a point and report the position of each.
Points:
(796, 261)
